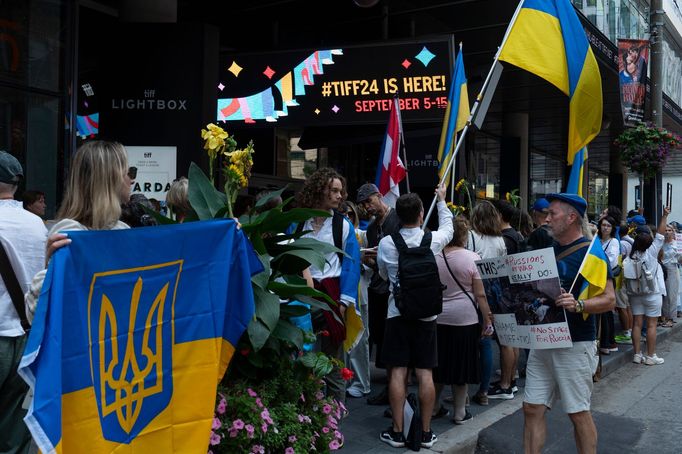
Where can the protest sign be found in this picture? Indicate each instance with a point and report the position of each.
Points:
(521, 289)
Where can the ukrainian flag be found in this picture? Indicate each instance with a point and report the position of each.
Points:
(133, 331)
(547, 39)
(456, 114)
(594, 270)
(575, 179)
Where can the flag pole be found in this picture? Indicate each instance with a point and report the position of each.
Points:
(582, 265)
(402, 141)
(475, 107)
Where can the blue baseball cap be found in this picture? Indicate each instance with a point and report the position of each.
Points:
(637, 220)
(574, 200)
(540, 204)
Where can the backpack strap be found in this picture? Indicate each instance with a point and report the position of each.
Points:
(426, 239)
(399, 242)
(337, 232)
(571, 250)
(13, 287)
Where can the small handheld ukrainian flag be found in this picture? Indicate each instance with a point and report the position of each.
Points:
(595, 272)
(456, 114)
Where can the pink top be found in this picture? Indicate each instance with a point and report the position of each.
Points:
(457, 307)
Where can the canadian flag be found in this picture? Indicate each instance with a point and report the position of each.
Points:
(391, 170)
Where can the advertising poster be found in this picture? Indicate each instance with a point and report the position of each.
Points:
(632, 71)
(156, 170)
(521, 289)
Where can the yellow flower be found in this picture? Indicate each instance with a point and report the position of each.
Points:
(508, 197)
(459, 184)
(214, 139)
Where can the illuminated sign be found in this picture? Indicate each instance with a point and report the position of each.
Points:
(336, 86)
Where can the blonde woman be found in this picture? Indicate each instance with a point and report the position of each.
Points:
(98, 184)
(177, 199)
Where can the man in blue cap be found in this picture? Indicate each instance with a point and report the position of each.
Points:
(540, 238)
(567, 372)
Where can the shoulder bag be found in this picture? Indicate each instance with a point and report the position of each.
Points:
(478, 309)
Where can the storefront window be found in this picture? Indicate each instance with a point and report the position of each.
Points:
(617, 18)
(546, 175)
(302, 162)
(672, 68)
(598, 193)
(486, 155)
(32, 91)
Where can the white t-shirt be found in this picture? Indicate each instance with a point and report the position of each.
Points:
(23, 234)
(387, 253)
(486, 246)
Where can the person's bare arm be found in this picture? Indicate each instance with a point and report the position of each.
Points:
(604, 302)
(664, 221)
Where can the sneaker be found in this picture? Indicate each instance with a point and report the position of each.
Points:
(354, 392)
(623, 339)
(604, 351)
(395, 439)
(428, 439)
(653, 360)
(514, 388)
(638, 358)
(613, 348)
(480, 398)
(467, 417)
(500, 393)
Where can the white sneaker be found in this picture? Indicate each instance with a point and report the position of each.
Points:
(653, 360)
(638, 358)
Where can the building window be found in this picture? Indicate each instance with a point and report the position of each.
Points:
(546, 175)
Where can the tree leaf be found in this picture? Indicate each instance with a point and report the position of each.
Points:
(206, 200)
(261, 279)
(289, 332)
(263, 200)
(258, 334)
(267, 307)
(298, 260)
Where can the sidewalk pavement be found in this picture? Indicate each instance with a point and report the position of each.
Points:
(365, 422)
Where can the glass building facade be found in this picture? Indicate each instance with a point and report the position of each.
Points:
(34, 81)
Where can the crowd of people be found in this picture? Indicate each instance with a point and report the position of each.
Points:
(452, 348)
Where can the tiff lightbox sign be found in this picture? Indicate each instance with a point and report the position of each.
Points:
(336, 86)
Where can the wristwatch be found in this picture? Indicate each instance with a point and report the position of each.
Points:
(580, 306)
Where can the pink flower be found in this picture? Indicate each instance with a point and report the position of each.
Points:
(233, 432)
(325, 430)
(319, 395)
(215, 439)
(289, 450)
(334, 445)
(238, 424)
(249, 429)
(222, 406)
(326, 409)
(265, 414)
(216, 424)
(259, 402)
(338, 435)
(292, 439)
(302, 397)
(252, 393)
(264, 428)
(258, 449)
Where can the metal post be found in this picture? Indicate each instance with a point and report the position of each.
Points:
(652, 190)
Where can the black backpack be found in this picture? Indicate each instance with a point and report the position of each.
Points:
(418, 292)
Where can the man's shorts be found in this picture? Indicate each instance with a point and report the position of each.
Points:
(622, 300)
(562, 373)
(410, 343)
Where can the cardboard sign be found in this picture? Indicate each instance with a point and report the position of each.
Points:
(521, 289)
(156, 170)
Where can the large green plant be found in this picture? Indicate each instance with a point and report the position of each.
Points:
(271, 336)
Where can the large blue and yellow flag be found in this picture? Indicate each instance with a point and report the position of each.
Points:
(547, 39)
(575, 179)
(594, 270)
(456, 114)
(133, 331)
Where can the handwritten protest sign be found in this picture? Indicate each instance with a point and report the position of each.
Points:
(521, 289)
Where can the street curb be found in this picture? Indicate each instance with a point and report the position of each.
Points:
(464, 439)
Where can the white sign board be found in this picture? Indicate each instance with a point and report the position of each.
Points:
(156, 170)
(521, 289)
